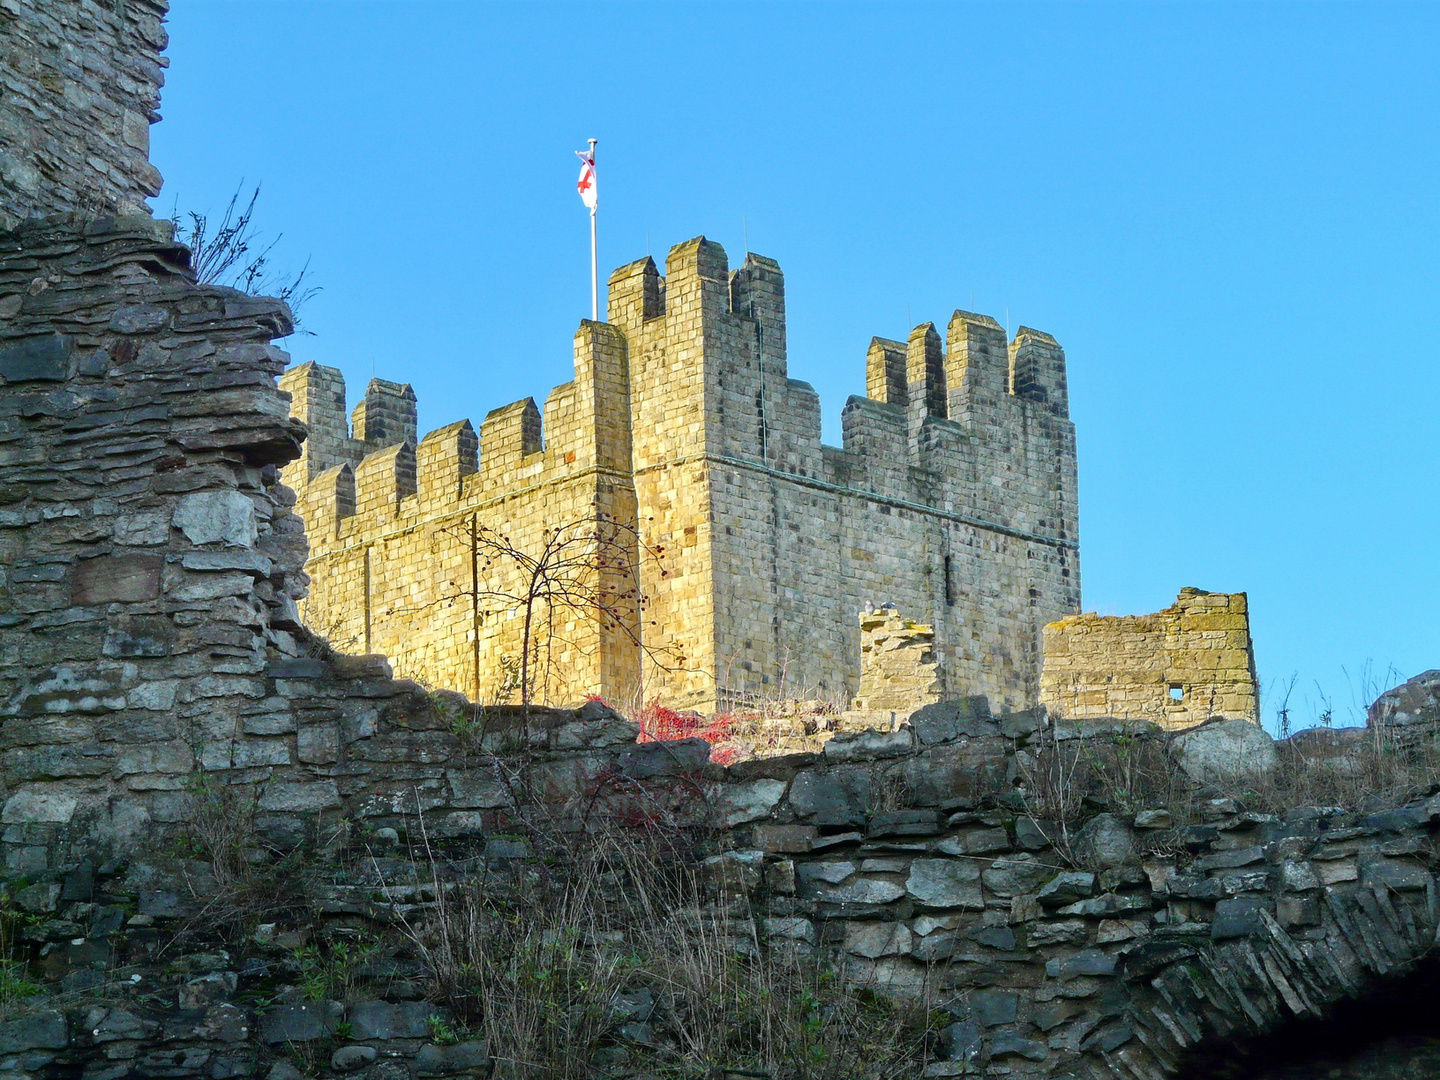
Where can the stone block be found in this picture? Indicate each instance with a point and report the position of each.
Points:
(992, 1008)
(1239, 917)
(40, 358)
(217, 517)
(309, 1021)
(1066, 888)
(467, 1057)
(39, 806)
(1012, 875)
(945, 721)
(833, 797)
(300, 797)
(788, 839)
(384, 1020)
(1225, 750)
(1104, 841)
(44, 1030)
(116, 579)
(876, 939)
(869, 745)
(946, 883)
(739, 803)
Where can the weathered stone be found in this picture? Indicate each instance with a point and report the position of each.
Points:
(138, 319)
(945, 721)
(306, 1022)
(44, 1030)
(1238, 917)
(1066, 888)
(205, 991)
(1011, 875)
(1224, 750)
(953, 883)
(1107, 905)
(1060, 932)
(1153, 819)
(350, 1058)
(975, 842)
(833, 797)
(1087, 962)
(41, 358)
(790, 839)
(676, 757)
(960, 1041)
(448, 1060)
(1416, 701)
(877, 939)
(1009, 1043)
(300, 797)
(1030, 836)
(1104, 841)
(991, 1008)
(740, 803)
(869, 745)
(38, 806)
(398, 1020)
(112, 579)
(862, 891)
(211, 517)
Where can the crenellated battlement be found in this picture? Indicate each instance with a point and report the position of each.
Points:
(953, 493)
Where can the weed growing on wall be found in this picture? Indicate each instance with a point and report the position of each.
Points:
(617, 949)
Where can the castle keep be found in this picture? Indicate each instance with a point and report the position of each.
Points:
(953, 497)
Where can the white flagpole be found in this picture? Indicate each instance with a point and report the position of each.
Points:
(594, 260)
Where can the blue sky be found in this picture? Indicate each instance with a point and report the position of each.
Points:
(1227, 214)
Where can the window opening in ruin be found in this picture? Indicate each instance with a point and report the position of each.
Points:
(1177, 692)
(949, 584)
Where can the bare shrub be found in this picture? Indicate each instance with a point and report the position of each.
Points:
(613, 945)
(231, 252)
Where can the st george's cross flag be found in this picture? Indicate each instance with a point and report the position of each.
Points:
(586, 183)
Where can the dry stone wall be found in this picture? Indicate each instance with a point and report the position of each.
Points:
(954, 497)
(1178, 667)
(81, 83)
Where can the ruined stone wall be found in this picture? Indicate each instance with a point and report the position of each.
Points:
(1178, 667)
(81, 82)
(898, 668)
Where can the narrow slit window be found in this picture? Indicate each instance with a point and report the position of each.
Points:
(949, 584)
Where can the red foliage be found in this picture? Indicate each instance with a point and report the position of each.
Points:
(659, 724)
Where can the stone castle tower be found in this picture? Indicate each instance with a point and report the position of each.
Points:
(953, 498)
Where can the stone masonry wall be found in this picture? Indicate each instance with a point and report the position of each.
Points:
(1178, 667)
(898, 669)
(81, 82)
(953, 497)
(396, 568)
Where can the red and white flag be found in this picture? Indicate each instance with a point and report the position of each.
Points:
(586, 184)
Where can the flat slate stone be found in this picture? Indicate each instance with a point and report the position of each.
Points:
(113, 579)
(42, 1031)
(42, 358)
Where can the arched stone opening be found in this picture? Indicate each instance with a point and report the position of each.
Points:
(1388, 1032)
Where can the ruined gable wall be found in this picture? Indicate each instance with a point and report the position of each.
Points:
(784, 540)
(81, 81)
(390, 527)
(1126, 666)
